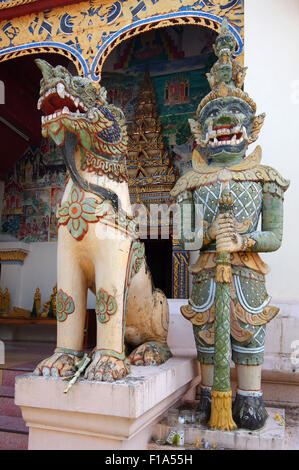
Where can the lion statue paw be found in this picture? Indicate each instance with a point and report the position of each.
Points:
(58, 365)
(107, 369)
(151, 353)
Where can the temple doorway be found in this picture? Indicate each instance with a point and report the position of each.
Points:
(159, 259)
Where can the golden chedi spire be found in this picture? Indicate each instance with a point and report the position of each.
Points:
(150, 167)
(146, 149)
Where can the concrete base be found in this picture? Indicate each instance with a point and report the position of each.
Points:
(96, 415)
(270, 437)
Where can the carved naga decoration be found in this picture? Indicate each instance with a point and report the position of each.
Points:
(98, 246)
(229, 305)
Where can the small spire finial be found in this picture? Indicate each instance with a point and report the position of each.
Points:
(224, 26)
(226, 70)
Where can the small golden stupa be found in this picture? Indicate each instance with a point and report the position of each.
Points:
(150, 167)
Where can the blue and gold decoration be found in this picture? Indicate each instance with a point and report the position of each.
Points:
(91, 30)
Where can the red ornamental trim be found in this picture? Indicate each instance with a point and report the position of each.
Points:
(116, 171)
(30, 6)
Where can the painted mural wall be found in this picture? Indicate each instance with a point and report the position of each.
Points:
(32, 191)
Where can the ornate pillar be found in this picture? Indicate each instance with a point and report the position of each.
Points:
(180, 273)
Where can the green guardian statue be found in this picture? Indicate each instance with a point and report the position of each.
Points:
(229, 305)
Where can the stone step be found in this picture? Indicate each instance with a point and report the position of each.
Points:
(157, 447)
(270, 437)
(13, 433)
(9, 375)
(7, 402)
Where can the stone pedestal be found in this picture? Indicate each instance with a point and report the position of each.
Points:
(270, 437)
(97, 415)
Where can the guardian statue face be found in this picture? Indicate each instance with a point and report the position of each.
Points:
(226, 121)
(226, 125)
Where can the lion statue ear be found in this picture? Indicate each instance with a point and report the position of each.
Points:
(196, 130)
(256, 127)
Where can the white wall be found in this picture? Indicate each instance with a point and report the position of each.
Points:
(40, 270)
(271, 54)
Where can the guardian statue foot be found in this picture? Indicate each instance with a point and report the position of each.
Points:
(204, 406)
(249, 412)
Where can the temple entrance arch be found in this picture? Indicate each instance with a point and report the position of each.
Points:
(172, 19)
(87, 32)
(49, 50)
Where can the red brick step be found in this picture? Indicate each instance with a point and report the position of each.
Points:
(7, 402)
(13, 433)
(9, 376)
